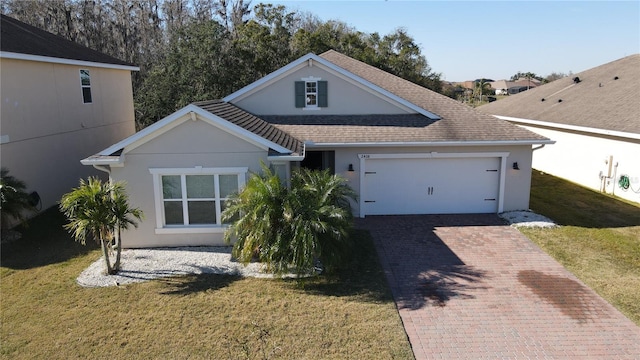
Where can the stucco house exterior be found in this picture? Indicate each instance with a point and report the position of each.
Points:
(595, 118)
(404, 149)
(59, 102)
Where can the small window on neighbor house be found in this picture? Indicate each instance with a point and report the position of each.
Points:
(311, 94)
(85, 82)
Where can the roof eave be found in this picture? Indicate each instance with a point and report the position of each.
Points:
(112, 161)
(432, 143)
(585, 129)
(55, 60)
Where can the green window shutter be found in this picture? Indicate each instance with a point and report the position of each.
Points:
(300, 98)
(323, 100)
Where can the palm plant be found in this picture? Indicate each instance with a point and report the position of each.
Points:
(258, 213)
(321, 217)
(14, 200)
(101, 210)
(291, 228)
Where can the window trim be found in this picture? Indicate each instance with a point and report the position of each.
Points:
(307, 93)
(83, 86)
(320, 103)
(162, 228)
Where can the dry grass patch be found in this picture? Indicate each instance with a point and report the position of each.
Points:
(45, 314)
(599, 240)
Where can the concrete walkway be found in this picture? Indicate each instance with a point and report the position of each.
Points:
(467, 286)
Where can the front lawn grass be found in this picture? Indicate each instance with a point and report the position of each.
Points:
(599, 240)
(45, 314)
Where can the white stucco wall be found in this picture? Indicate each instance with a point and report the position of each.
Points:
(344, 98)
(580, 158)
(193, 144)
(47, 129)
(188, 145)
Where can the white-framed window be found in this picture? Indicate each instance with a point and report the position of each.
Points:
(85, 84)
(192, 199)
(311, 93)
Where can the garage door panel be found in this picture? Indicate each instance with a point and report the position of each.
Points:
(431, 186)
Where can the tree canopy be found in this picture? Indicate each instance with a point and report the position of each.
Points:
(190, 50)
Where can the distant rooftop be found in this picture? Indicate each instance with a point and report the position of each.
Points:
(604, 97)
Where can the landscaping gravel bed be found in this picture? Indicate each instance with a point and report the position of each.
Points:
(527, 219)
(139, 265)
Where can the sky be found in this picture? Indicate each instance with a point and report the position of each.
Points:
(467, 40)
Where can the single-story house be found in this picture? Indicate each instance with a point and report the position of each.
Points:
(594, 116)
(404, 149)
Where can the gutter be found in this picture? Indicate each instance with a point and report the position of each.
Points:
(111, 161)
(55, 60)
(290, 157)
(584, 129)
(434, 143)
(103, 168)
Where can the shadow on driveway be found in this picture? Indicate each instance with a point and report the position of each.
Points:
(425, 271)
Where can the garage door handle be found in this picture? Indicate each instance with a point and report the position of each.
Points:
(489, 199)
(369, 201)
(430, 190)
(369, 172)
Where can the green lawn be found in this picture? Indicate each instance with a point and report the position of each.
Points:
(599, 240)
(45, 314)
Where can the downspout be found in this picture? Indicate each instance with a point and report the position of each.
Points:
(104, 168)
(538, 148)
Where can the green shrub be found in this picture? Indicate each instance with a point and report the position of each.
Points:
(288, 229)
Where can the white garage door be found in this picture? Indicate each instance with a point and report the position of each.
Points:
(431, 186)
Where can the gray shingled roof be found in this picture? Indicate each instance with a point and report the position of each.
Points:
(597, 101)
(458, 122)
(21, 38)
(252, 123)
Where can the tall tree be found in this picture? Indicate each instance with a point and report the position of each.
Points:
(195, 67)
(525, 75)
(555, 76)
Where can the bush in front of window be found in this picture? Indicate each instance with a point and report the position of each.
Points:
(289, 229)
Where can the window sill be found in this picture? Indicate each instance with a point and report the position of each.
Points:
(311, 108)
(192, 230)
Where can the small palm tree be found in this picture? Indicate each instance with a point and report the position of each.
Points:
(258, 212)
(15, 203)
(292, 227)
(102, 210)
(320, 217)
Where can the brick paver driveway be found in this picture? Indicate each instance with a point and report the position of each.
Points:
(467, 286)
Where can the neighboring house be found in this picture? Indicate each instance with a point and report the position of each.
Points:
(501, 86)
(531, 82)
(60, 102)
(516, 89)
(404, 149)
(504, 87)
(595, 118)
